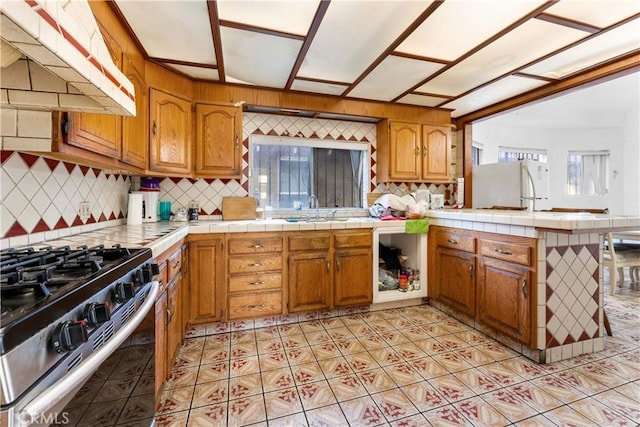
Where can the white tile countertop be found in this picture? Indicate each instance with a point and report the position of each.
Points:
(160, 236)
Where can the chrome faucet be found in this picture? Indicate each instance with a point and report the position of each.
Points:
(313, 198)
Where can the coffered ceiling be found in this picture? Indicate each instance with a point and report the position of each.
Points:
(459, 55)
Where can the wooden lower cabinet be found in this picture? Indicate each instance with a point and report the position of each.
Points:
(310, 281)
(206, 278)
(500, 292)
(174, 319)
(353, 265)
(160, 359)
(456, 279)
(503, 298)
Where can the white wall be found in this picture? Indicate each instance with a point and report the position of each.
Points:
(623, 143)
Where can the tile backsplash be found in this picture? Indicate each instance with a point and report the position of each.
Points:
(41, 198)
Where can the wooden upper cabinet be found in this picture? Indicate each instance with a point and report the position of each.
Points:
(134, 129)
(404, 151)
(169, 133)
(218, 150)
(98, 133)
(436, 152)
(413, 152)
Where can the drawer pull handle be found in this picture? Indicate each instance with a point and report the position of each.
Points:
(256, 246)
(254, 306)
(524, 288)
(258, 283)
(175, 264)
(338, 265)
(328, 266)
(453, 241)
(503, 251)
(424, 151)
(256, 264)
(471, 271)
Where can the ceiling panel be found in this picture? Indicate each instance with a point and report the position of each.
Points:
(502, 56)
(196, 72)
(437, 38)
(599, 13)
(424, 100)
(258, 59)
(392, 77)
(318, 87)
(168, 29)
(490, 94)
(353, 34)
(610, 44)
(289, 16)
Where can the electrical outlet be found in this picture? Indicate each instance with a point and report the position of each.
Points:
(84, 211)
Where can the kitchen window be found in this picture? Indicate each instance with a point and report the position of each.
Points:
(510, 154)
(477, 153)
(588, 173)
(285, 172)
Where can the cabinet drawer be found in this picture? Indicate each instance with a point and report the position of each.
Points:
(309, 242)
(255, 282)
(174, 264)
(512, 252)
(352, 240)
(254, 245)
(254, 264)
(261, 304)
(458, 241)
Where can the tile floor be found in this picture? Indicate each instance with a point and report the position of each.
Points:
(414, 366)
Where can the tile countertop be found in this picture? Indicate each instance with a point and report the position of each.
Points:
(160, 236)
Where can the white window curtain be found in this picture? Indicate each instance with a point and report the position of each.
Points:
(594, 173)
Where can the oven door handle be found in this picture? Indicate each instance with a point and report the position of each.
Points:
(77, 377)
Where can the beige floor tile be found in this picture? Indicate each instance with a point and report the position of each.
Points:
(335, 367)
(476, 380)
(350, 347)
(175, 400)
(116, 389)
(509, 405)
(386, 356)
(362, 412)
(243, 366)
(417, 420)
(347, 387)
(245, 411)
(376, 380)
(270, 345)
(246, 385)
(182, 377)
(274, 360)
(327, 416)
(361, 361)
(293, 420)
(428, 368)
(402, 373)
(300, 355)
(446, 416)
(451, 361)
(315, 395)
(174, 419)
(593, 409)
(282, 402)
(213, 372)
(138, 408)
(622, 404)
(558, 388)
(566, 415)
(210, 415)
(424, 396)
(534, 396)
(326, 350)
(277, 379)
(210, 393)
(451, 388)
(394, 404)
(307, 373)
(244, 349)
(479, 413)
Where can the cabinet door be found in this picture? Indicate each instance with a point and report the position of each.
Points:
(98, 133)
(353, 277)
(206, 270)
(404, 147)
(174, 319)
(310, 281)
(134, 129)
(456, 279)
(504, 295)
(436, 152)
(218, 141)
(170, 133)
(160, 342)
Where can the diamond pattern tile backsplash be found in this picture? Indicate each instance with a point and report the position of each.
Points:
(209, 192)
(41, 197)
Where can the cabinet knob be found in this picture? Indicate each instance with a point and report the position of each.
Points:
(524, 288)
(471, 271)
(236, 140)
(154, 129)
(424, 150)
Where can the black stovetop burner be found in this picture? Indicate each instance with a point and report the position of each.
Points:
(55, 278)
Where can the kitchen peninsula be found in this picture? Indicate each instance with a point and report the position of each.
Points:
(564, 290)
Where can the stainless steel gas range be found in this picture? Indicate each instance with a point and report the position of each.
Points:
(63, 311)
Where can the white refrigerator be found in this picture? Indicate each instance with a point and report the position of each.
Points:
(524, 183)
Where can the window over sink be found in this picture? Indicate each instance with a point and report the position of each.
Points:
(285, 172)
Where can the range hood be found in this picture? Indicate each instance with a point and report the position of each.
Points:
(54, 58)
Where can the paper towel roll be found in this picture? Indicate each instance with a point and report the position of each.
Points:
(134, 209)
